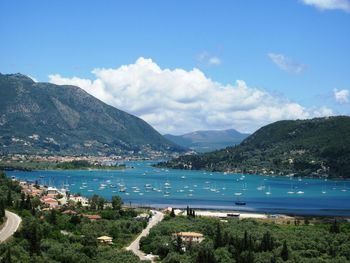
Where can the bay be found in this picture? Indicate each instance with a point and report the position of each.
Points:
(145, 185)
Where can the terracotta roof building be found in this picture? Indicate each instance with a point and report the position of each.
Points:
(105, 239)
(190, 236)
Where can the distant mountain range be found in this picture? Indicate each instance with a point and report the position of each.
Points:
(316, 147)
(42, 118)
(206, 141)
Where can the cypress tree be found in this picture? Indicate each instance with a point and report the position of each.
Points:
(245, 241)
(2, 208)
(172, 213)
(28, 203)
(284, 252)
(7, 257)
(9, 200)
(218, 236)
(335, 228)
(178, 244)
(22, 202)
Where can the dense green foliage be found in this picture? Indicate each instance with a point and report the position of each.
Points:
(314, 147)
(36, 165)
(67, 120)
(206, 141)
(9, 192)
(50, 236)
(84, 165)
(248, 241)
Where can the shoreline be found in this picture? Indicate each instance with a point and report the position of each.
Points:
(254, 214)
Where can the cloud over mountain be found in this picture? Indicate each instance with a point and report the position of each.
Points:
(178, 101)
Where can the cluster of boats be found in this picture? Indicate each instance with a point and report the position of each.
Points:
(165, 188)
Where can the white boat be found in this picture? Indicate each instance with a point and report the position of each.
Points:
(260, 188)
(122, 189)
(300, 192)
(291, 192)
(268, 191)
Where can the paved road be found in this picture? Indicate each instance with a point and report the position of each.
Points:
(12, 223)
(135, 245)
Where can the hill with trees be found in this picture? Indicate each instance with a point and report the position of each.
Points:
(248, 241)
(315, 147)
(44, 118)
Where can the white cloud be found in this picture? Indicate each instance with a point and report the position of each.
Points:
(286, 64)
(341, 96)
(329, 4)
(178, 101)
(214, 61)
(209, 60)
(34, 79)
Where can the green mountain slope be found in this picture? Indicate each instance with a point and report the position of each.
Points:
(47, 118)
(303, 147)
(206, 141)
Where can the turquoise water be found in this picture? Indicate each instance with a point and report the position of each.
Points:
(149, 186)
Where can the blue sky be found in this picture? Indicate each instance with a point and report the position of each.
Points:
(296, 51)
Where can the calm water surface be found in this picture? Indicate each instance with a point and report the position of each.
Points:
(149, 186)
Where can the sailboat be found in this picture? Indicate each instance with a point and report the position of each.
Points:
(238, 202)
(268, 191)
(291, 192)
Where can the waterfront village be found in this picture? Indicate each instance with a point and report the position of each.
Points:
(54, 198)
(94, 160)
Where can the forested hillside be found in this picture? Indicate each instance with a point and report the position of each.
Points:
(313, 147)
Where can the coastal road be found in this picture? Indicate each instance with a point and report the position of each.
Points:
(135, 245)
(12, 224)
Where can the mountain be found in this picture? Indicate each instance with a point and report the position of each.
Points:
(316, 147)
(206, 141)
(46, 118)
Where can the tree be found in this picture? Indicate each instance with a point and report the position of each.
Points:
(178, 244)
(36, 202)
(101, 203)
(22, 203)
(172, 213)
(2, 208)
(222, 255)
(218, 236)
(75, 219)
(93, 202)
(9, 200)
(7, 256)
(267, 242)
(28, 203)
(117, 202)
(205, 255)
(284, 252)
(33, 233)
(52, 218)
(335, 228)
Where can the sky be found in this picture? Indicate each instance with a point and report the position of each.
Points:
(188, 65)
